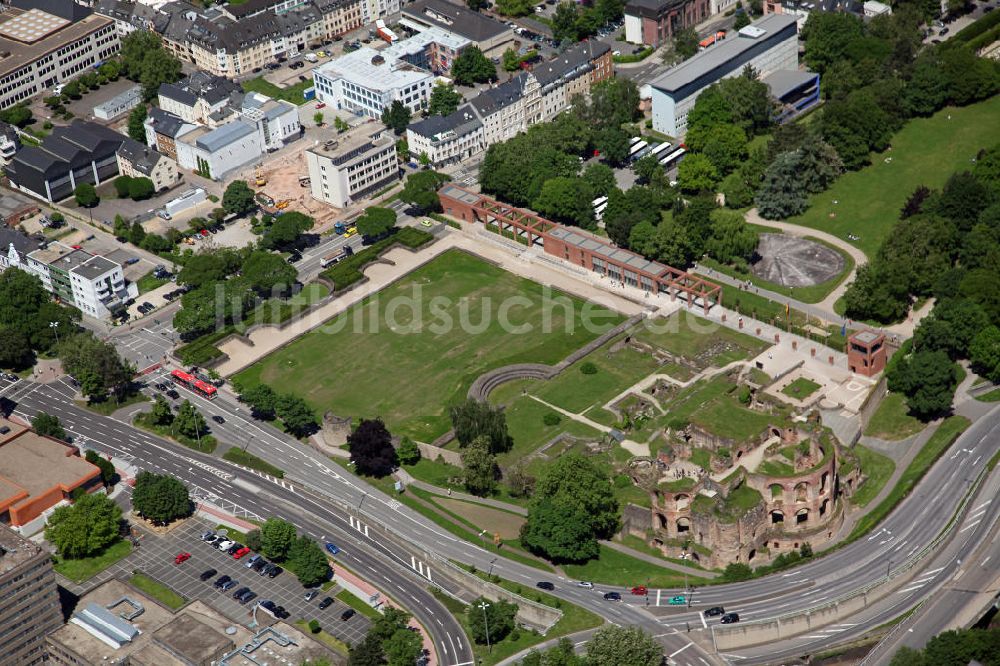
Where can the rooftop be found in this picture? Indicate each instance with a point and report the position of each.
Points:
(61, 256)
(14, 549)
(221, 137)
(455, 18)
(353, 149)
(420, 41)
(67, 147)
(12, 202)
(20, 52)
(142, 157)
(166, 123)
(95, 267)
(783, 81)
(21, 242)
(368, 68)
(461, 122)
(722, 52)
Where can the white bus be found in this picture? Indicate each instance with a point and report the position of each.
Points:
(636, 149)
(635, 139)
(599, 211)
(660, 149)
(672, 159)
(596, 203)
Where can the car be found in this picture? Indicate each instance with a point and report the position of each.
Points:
(321, 54)
(252, 560)
(326, 603)
(272, 65)
(235, 547)
(182, 557)
(730, 618)
(205, 575)
(311, 594)
(331, 548)
(222, 580)
(171, 393)
(612, 596)
(218, 419)
(273, 571)
(414, 211)
(320, 105)
(545, 585)
(241, 552)
(294, 258)
(351, 232)
(205, 536)
(256, 70)
(347, 614)
(943, 31)
(229, 584)
(225, 544)
(267, 605)
(639, 590)
(132, 260)
(678, 600)
(248, 596)
(714, 611)
(240, 592)
(281, 613)
(260, 565)
(583, 583)
(266, 569)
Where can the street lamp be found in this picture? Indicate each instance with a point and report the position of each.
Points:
(247, 443)
(362, 501)
(486, 621)
(492, 562)
(54, 325)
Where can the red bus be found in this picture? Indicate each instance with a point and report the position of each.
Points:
(192, 383)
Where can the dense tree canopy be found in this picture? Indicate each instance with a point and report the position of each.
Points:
(480, 465)
(276, 538)
(623, 646)
(376, 222)
(145, 60)
(371, 448)
(84, 528)
(471, 66)
(473, 419)
(421, 189)
(566, 200)
(238, 199)
(396, 116)
(160, 498)
(444, 100)
(96, 365)
(49, 425)
(498, 617)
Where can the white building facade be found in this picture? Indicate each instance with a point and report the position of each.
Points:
(93, 284)
(365, 82)
(341, 175)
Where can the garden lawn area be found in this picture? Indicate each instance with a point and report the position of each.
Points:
(291, 94)
(990, 396)
(943, 437)
(81, 569)
(328, 639)
(688, 335)
(613, 567)
(357, 604)
(801, 388)
(925, 152)
(241, 457)
(528, 429)
(878, 468)
(726, 417)
(158, 591)
(892, 420)
(148, 282)
(358, 366)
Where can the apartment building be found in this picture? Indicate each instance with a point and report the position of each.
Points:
(365, 82)
(501, 112)
(30, 608)
(341, 174)
(128, 16)
(652, 22)
(433, 49)
(198, 97)
(768, 45)
(43, 44)
(93, 284)
(138, 160)
(163, 129)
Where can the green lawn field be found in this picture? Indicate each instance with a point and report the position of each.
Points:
(359, 365)
(925, 152)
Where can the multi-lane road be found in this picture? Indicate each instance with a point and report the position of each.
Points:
(916, 523)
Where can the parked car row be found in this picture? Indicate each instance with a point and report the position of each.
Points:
(237, 550)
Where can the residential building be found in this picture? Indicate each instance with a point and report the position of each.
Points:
(341, 174)
(128, 16)
(10, 142)
(163, 129)
(491, 36)
(119, 105)
(14, 209)
(501, 112)
(433, 49)
(15, 247)
(277, 121)
(215, 152)
(93, 284)
(38, 473)
(197, 97)
(652, 22)
(30, 608)
(46, 43)
(83, 152)
(138, 160)
(767, 45)
(116, 623)
(365, 82)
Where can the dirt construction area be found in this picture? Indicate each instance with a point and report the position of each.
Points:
(282, 176)
(796, 262)
(507, 525)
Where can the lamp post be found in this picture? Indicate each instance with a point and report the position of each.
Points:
(492, 562)
(247, 443)
(54, 325)
(486, 620)
(362, 501)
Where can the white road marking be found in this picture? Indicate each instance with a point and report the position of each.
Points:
(969, 526)
(677, 652)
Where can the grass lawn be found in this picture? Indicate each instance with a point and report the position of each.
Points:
(110, 406)
(87, 567)
(892, 421)
(148, 282)
(696, 339)
(357, 604)
(350, 364)
(240, 457)
(291, 94)
(989, 396)
(613, 567)
(943, 437)
(332, 642)
(925, 152)
(158, 591)
(878, 468)
(528, 429)
(801, 388)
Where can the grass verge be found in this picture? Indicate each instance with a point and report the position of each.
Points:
(332, 642)
(878, 468)
(892, 421)
(357, 604)
(206, 444)
(158, 591)
(613, 567)
(110, 406)
(79, 570)
(149, 282)
(291, 94)
(990, 396)
(241, 457)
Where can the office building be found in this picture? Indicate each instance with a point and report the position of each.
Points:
(365, 82)
(795, 92)
(341, 174)
(43, 44)
(433, 49)
(491, 36)
(30, 608)
(767, 45)
(653, 22)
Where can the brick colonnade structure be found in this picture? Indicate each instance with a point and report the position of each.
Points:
(578, 247)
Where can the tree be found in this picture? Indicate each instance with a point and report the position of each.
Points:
(782, 194)
(262, 400)
(15, 350)
(512, 7)
(519, 483)
(268, 274)
(497, 619)
(751, 106)
(928, 379)
(86, 196)
(473, 419)
(481, 469)
(368, 652)
(648, 168)
(623, 646)
(742, 21)
(421, 189)
(559, 532)
(318, 118)
(86, 527)
(575, 480)
(202, 270)
(511, 61)
(613, 145)
(732, 238)
(962, 200)
(371, 449)
(308, 561)
(48, 425)
(473, 67)
(984, 353)
(408, 452)
(476, 5)
(827, 38)
(141, 188)
(286, 230)
(276, 538)
(696, 173)
(122, 185)
(951, 327)
(189, 422)
(725, 147)
(601, 179)
(444, 100)
(18, 115)
(254, 540)
(376, 222)
(102, 463)
(818, 164)
(396, 116)
(686, 42)
(161, 414)
(566, 200)
(238, 199)
(145, 60)
(160, 498)
(296, 414)
(402, 648)
(136, 129)
(95, 364)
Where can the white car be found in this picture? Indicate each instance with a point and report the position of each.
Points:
(225, 545)
(585, 584)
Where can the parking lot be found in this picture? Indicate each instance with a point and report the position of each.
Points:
(155, 558)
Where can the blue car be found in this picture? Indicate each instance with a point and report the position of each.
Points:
(331, 548)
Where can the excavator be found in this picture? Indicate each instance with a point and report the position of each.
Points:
(259, 181)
